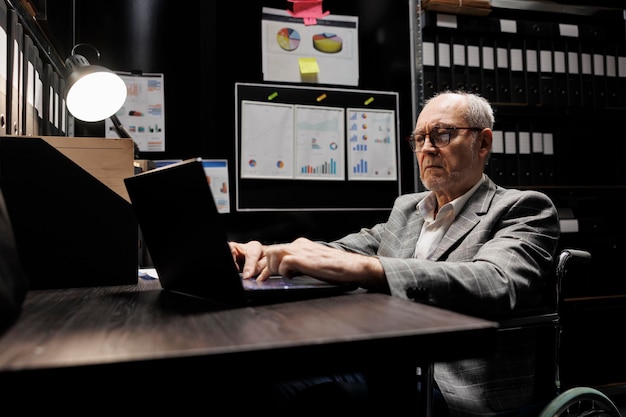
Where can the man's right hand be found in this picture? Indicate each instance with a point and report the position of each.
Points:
(249, 257)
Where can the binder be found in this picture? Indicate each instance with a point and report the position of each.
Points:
(537, 35)
(39, 94)
(444, 67)
(569, 35)
(586, 75)
(518, 73)
(488, 61)
(48, 100)
(45, 99)
(470, 29)
(15, 73)
(592, 33)
(20, 86)
(28, 75)
(533, 89)
(62, 109)
(599, 77)
(429, 65)
(438, 29)
(503, 78)
(524, 155)
(473, 68)
(538, 29)
(621, 74)
(574, 86)
(612, 84)
(511, 165)
(538, 168)
(549, 158)
(459, 63)
(55, 104)
(429, 56)
(506, 29)
(4, 79)
(560, 73)
(471, 24)
(546, 77)
(495, 166)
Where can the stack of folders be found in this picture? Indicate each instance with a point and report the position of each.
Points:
(523, 62)
(522, 154)
(31, 99)
(471, 7)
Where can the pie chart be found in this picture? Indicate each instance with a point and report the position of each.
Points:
(288, 39)
(329, 43)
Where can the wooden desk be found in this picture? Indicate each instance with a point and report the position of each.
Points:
(111, 344)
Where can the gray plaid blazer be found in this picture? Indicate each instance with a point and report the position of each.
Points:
(494, 260)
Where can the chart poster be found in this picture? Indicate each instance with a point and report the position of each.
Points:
(326, 52)
(371, 144)
(320, 144)
(315, 148)
(143, 112)
(266, 140)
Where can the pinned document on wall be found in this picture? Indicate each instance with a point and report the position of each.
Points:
(143, 112)
(315, 148)
(291, 48)
(372, 144)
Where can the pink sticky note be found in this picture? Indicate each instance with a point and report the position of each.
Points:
(308, 10)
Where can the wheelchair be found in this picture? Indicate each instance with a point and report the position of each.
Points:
(577, 401)
(581, 402)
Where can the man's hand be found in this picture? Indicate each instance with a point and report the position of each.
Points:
(305, 257)
(249, 257)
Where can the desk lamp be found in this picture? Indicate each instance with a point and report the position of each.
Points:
(94, 93)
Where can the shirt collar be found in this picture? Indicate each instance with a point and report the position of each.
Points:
(427, 206)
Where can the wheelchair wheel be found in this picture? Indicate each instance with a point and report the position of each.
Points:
(581, 402)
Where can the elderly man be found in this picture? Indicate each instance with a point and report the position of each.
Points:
(466, 244)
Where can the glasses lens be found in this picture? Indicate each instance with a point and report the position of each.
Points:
(414, 141)
(440, 137)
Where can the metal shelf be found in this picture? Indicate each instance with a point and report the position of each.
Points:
(40, 38)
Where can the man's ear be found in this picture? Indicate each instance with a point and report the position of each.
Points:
(485, 139)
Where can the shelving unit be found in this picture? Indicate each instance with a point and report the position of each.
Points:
(547, 69)
(35, 76)
(552, 72)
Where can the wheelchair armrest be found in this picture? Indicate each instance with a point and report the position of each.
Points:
(531, 320)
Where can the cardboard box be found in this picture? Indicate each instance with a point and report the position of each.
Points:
(73, 222)
(109, 160)
(467, 7)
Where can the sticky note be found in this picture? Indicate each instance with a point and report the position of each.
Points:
(308, 66)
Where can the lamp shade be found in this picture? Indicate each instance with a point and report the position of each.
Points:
(93, 92)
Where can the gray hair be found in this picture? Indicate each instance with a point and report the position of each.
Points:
(479, 112)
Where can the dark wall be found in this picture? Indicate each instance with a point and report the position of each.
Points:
(201, 63)
(147, 36)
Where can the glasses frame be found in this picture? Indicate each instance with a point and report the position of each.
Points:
(412, 143)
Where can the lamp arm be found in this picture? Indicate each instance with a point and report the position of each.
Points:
(119, 127)
(123, 133)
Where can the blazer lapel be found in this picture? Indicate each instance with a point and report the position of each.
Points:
(413, 228)
(467, 219)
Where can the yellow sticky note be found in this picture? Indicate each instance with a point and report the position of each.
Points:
(308, 66)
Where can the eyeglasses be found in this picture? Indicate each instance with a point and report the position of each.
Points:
(439, 137)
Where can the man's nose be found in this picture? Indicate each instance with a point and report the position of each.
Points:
(428, 144)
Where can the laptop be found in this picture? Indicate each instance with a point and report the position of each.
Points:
(188, 245)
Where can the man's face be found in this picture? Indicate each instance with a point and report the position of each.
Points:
(454, 168)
